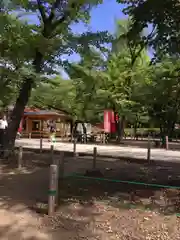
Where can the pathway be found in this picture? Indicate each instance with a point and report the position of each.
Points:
(115, 151)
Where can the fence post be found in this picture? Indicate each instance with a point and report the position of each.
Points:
(20, 155)
(52, 153)
(52, 189)
(167, 143)
(149, 150)
(94, 157)
(41, 144)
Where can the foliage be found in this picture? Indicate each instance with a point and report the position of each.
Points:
(126, 71)
(162, 17)
(43, 43)
(100, 83)
(120, 78)
(57, 94)
(162, 94)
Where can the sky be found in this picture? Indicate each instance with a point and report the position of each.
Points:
(103, 18)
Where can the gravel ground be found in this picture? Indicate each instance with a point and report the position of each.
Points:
(103, 222)
(89, 209)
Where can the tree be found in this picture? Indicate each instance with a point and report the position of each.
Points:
(49, 39)
(162, 95)
(78, 95)
(103, 80)
(13, 36)
(58, 94)
(126, 64)
(162, 17)
(84, 76)
(110, 82)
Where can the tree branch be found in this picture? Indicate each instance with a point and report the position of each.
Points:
(42, 11)
(54, 6)
(65, 16)
(53, 107)
(51, 25)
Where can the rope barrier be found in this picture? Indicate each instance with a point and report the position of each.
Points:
(126, 182)
(122, 181)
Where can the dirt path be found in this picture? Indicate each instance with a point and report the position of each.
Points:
(97, 217)
(17, 190)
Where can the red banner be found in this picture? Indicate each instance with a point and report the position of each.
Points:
(109, 121)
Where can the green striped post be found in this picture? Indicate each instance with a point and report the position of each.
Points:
(52, 189)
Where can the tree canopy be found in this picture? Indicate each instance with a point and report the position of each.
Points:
(42, 43)
(121, 77)
(162, 18)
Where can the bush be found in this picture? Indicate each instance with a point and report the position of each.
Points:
(154, 132)
(143, 132)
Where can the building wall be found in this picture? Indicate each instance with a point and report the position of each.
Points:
(35, 127)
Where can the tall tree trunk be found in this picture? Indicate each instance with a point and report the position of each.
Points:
(135, 125)
(84, 132)
(21, 102)
(118, 130)
(74, 131)
(122, 126)
(17, 114)
(135, 131)
(171, 131)
(117, 125)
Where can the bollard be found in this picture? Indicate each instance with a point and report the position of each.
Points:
(94, 157)
(167, 143)
(20, 154)
(52, 153)
(149, 150)
(52, 190)
(41, 144)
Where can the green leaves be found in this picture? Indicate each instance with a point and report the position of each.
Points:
(16, 40)
(30, 48)
(163, 16)
(57, 94)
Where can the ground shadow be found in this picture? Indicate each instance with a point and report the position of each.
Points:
(30, 185)
(19, 190)
(163, 199)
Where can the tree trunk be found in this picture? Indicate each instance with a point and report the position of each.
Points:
(71, 128)
(118, 130)
(122, 126)
(117, 125)
(135, 131)
(17, 114)
(84, 132)
(171, 130)
(167, 129)
(21, 102)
